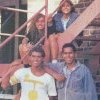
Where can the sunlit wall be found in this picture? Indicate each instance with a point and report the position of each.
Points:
(35, 5)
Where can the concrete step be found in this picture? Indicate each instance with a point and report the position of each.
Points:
(98, 90)
(99, 96)
(97, 78)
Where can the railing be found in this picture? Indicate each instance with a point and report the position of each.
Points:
(20, 28)
(72, 31)
(15, 10)
(25, 11)
(6, 96)
(80, 23)
(6, 34)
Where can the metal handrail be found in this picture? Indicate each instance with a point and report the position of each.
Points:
(26, 11)
(20, 28)
(7, 96)
(33, 46)
(6, 34)
(46, 17)
(15, 10)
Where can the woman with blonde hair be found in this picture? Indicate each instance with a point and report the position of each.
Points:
(35, 32)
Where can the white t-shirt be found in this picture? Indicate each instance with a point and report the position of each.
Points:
(64, 23)
(34, 87)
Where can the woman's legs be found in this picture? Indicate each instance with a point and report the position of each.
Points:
(54, 46)
(46, 48)
(23, 51)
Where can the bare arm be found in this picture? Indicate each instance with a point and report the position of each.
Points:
(55, 74)
(5, 81)
(13, 67)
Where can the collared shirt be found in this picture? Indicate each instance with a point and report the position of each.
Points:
(78, 85)
(64, 23)
(58, 21)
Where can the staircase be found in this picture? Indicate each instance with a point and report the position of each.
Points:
(97, 82)
(89, 52)
(89, 23)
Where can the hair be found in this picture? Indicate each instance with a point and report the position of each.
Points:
(68, 45)
(38, 49)
(32, 25)
(69, 2)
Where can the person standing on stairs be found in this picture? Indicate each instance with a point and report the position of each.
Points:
(36, 84)
(79, 84)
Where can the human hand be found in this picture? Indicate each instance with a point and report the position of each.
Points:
(50, 20)
(29, 46)
(25, 40)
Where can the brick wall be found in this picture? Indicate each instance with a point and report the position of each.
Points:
(94, 26)
(92, 29)
(7, 2)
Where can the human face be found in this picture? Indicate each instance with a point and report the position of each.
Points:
(69, 55)
(66, 8)
(36, 59)
(40, 24)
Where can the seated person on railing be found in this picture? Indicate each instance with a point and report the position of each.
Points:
(35, 32)
(65, 16)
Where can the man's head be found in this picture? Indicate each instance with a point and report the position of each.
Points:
(37, 55)
(69, 53)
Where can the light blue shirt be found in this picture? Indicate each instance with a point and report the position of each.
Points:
(64, 23)
(78, 85)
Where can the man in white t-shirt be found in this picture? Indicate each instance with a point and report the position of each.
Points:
(36, 84)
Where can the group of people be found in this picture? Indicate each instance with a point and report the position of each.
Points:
(41, 79)
(57, 24)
